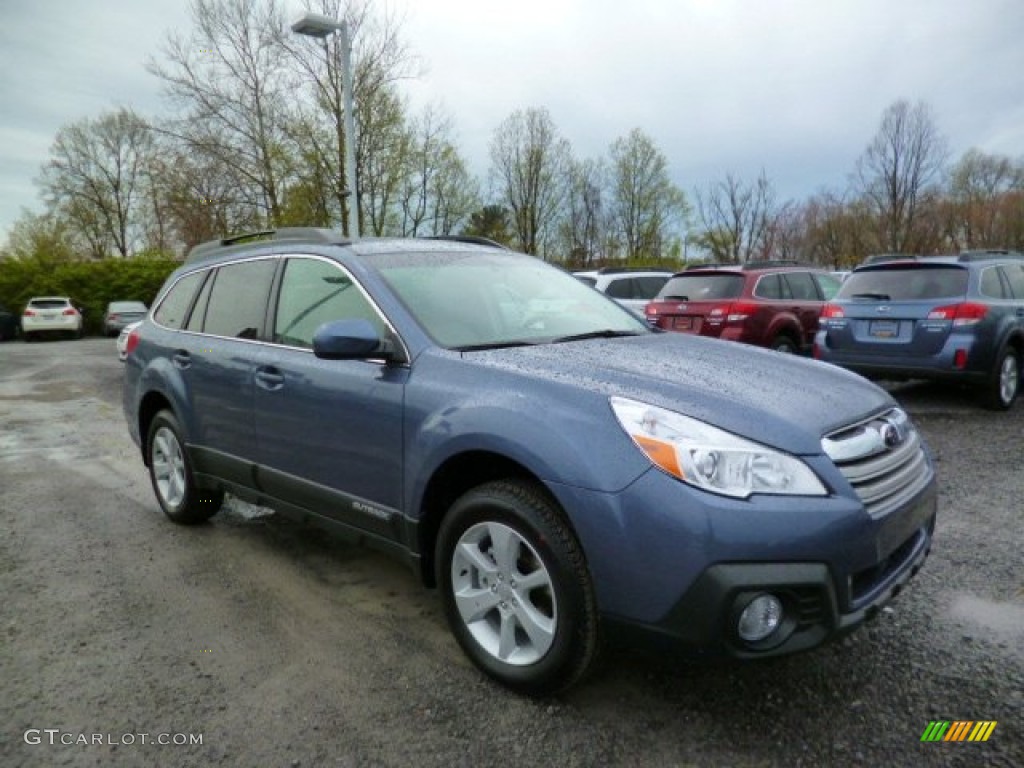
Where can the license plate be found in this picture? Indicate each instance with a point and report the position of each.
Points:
(884, 329)
(683, 323)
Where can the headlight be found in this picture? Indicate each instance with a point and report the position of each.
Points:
(710, 458)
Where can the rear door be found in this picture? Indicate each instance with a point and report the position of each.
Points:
(806, 303)
(897, 309)
(220, 362)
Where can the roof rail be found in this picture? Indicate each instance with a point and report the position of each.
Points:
(769, 263)
(991, 253)
(878, 258)
(761, 264)
(620, 270)
(226, 245)
(472, 239)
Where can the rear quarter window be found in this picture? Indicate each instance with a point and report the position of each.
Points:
(171, 312)
(1015, 276)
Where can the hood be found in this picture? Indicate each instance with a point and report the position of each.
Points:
(780, 400)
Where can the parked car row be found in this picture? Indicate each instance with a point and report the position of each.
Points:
(954, 318)
(60, 316)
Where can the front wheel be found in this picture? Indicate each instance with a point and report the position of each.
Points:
(171, 474)
(516, 590)
(1004, 383)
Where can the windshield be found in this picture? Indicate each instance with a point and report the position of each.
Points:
(702, 287)
(477, 299)
(909, 282)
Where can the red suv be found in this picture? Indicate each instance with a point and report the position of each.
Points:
(772, 304)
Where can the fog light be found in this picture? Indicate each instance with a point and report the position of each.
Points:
(760, 618)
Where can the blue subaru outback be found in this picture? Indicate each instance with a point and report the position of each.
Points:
(947, 318)
(561, 472)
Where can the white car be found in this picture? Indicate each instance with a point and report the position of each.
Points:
(122, 340)
(50, 314)
(632, 288)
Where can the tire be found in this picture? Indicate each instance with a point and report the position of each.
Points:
(27, 337)
(1003, 385)
(526, 614)
(784, 344)
(171, 474)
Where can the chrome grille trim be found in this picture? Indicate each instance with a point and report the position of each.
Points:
(883, 476)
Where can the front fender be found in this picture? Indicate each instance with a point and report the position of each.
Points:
(573, 441)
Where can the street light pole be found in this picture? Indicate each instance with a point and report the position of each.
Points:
(322, 27)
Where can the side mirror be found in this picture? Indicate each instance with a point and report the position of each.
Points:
(349, 340)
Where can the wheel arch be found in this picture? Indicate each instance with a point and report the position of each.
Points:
(454, 477)
(152, 403)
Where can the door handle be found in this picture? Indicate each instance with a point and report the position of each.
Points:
(270, 378)
(182, 359)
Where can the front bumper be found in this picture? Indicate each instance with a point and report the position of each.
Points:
(704, 621)
(683, 564)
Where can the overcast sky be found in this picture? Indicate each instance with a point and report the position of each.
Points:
(796, 87)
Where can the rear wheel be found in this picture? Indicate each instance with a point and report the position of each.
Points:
(516, 590)
(171, 474)
(1004, 383)
(784, 344)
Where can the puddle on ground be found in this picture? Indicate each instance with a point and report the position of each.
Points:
(1004, 620)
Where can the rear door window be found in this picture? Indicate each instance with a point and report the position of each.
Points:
(238, 299)
(801, 286)
(769, 287)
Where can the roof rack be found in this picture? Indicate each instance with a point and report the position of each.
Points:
(621, 270)
(473, 239)
(991, 253)
(762, 264)
(878, 258)
(226, 245)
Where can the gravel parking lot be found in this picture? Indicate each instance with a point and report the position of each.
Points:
(272, 645)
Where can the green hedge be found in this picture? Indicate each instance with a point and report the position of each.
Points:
(90, 284)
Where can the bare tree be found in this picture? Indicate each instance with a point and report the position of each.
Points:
(228, 79)
(899, 173)
(529, 164)
(94, 177)
(437, 193)
(737, 218)
(978, 184)
(645, 203)
(586, 225)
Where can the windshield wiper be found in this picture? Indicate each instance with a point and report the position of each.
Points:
(674, 298)
(607, 333)
(877, 296)
(494, 345)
